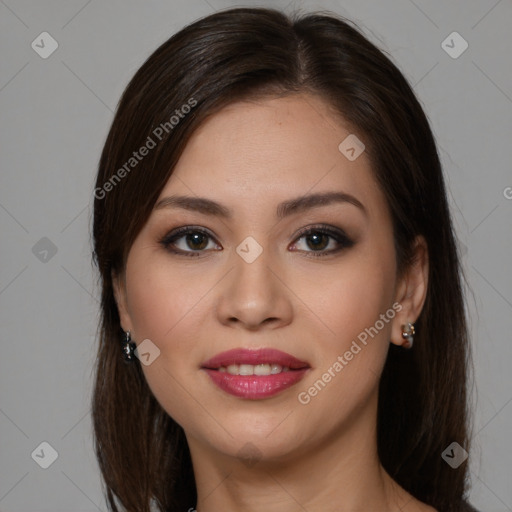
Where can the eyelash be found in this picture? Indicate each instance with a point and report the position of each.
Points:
(339, 236)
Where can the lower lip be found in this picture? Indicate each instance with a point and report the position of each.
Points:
(255, 387)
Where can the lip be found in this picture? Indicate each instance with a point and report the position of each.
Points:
(260, 356)
(255, 387)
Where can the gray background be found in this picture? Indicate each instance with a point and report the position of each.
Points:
(55, 116)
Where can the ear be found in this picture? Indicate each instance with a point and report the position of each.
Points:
(119, 285)
(411, 290)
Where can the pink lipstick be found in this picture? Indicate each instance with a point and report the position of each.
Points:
(255, 374)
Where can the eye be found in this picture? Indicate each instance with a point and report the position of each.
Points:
(320, 237)
(194, 238)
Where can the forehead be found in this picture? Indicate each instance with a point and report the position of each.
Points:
(270, 150)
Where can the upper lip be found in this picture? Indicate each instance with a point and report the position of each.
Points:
(254, 357)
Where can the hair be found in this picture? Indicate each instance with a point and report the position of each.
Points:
(254, 53)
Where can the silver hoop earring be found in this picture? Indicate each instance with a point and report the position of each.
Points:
(128, 347)
(408, 332)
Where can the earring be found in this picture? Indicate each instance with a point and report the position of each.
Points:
(408, 335)
(128, 347)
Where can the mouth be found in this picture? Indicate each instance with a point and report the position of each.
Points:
(255, 374)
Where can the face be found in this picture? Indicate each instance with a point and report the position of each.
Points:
(267, 269)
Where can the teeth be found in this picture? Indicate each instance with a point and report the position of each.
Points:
(246, 369)
(250, 369)
(232, 369)
(276, 368)
(262, 369)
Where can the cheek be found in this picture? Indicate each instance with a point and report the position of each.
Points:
(161, 307)
(351, 298)
(158, 298)
(351, 305)
(152, 308)
(170, 306)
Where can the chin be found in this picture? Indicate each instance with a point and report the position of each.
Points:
(258, 436)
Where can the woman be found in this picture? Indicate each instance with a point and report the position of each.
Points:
(282, 321)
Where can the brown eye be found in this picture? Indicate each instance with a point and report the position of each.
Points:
(196, 240)
(187, 240)
(319, 238)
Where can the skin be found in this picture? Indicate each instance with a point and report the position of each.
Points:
(321, 456)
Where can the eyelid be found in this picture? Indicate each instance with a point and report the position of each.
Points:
(312, 228)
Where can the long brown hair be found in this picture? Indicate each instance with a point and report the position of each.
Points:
(248, 53)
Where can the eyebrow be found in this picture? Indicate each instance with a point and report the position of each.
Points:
(284, 209)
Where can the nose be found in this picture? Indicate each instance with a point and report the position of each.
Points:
(254, 295)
